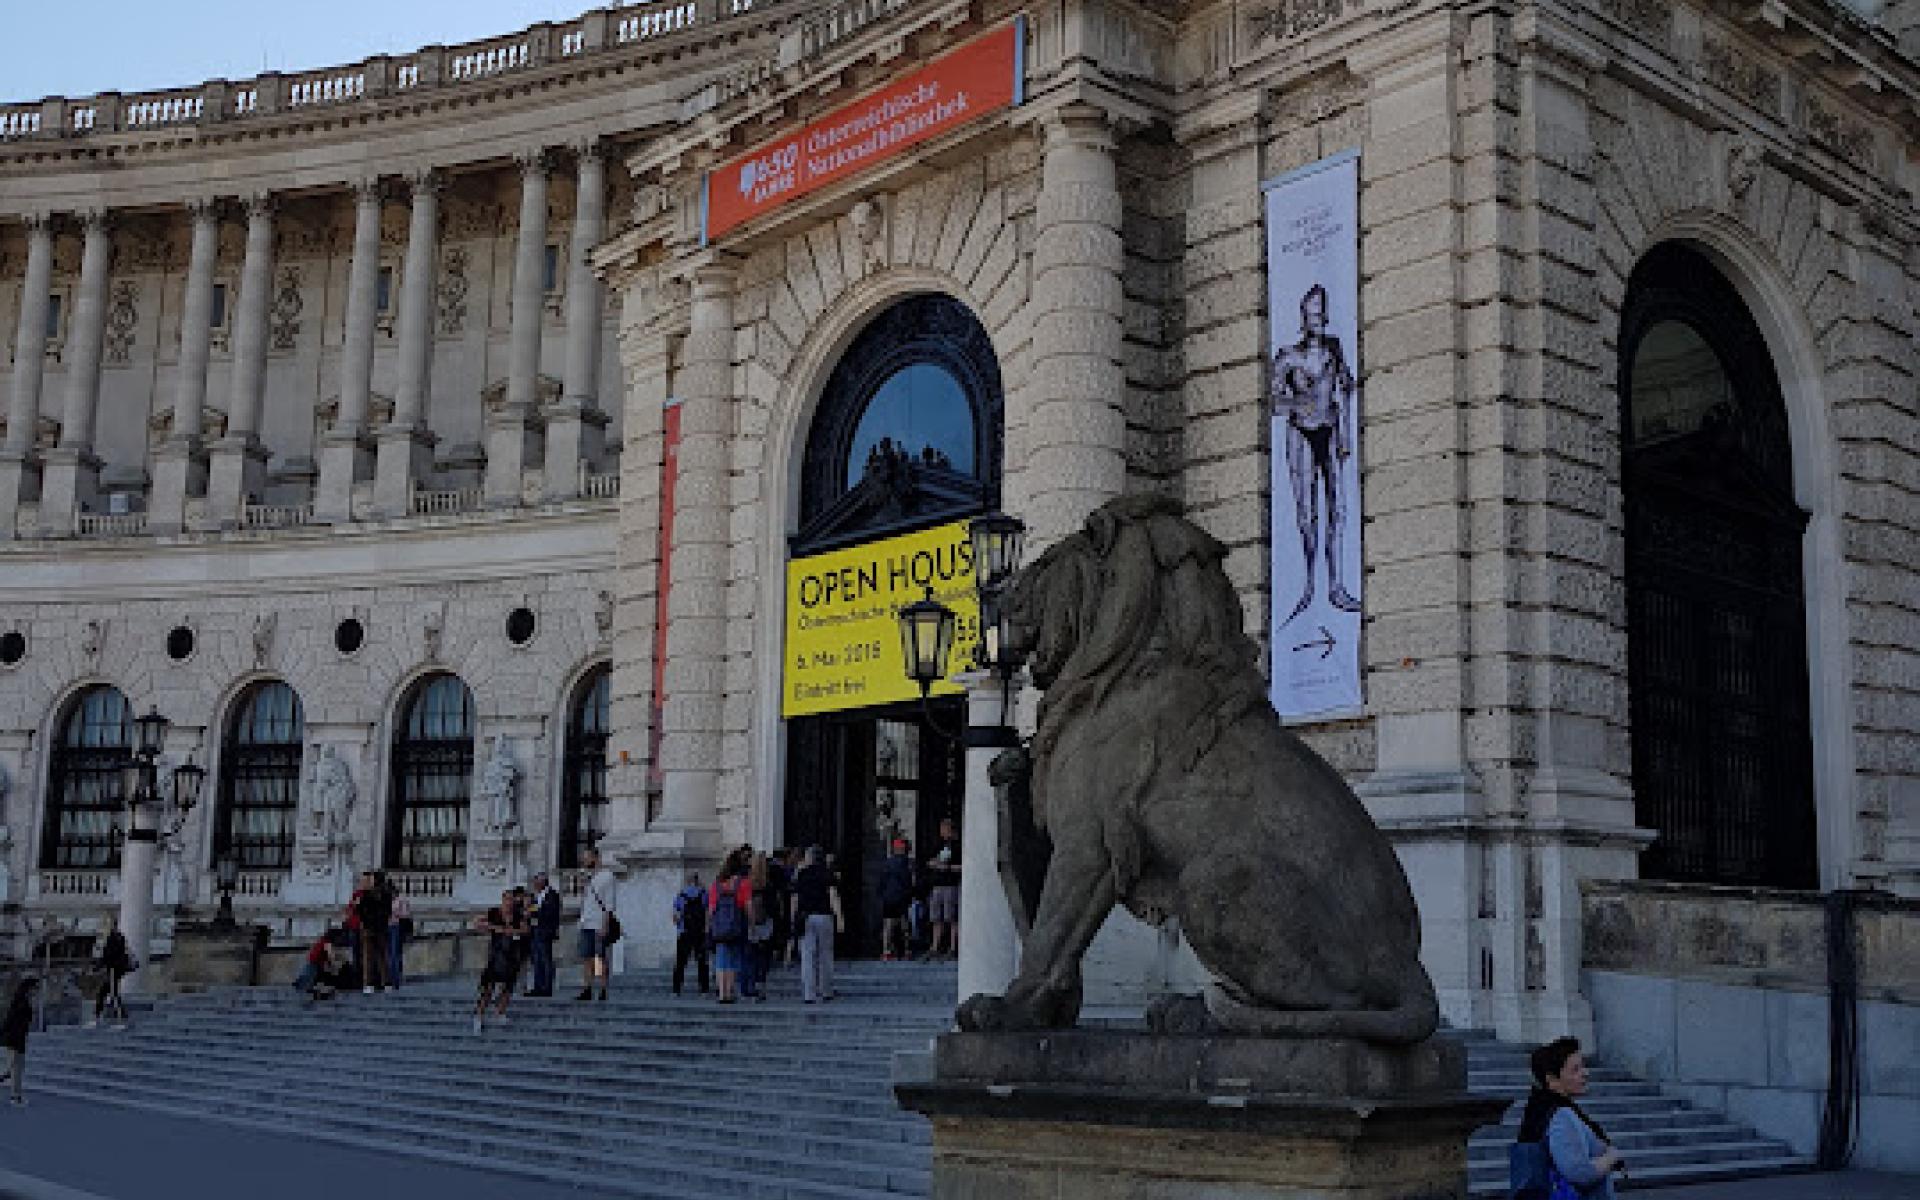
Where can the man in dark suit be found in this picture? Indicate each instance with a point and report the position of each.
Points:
(546, 927)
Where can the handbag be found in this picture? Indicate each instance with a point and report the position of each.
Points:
(1530, 1172)
(609, 923)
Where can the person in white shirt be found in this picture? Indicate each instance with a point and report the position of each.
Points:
(597, 905)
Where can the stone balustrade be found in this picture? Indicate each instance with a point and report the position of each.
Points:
(598, 31)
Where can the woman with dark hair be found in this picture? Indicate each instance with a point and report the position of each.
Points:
(116, 963)
(728, 903)
(1577, 1146)
(13, 1035)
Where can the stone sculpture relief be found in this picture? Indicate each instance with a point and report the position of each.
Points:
(1163, 780)
(265, 625)
(452, 299)
(333, 794)
(285, 311)
(603, 614)
(93, 635)
(432, 628)
(500, 788)
(123, 322)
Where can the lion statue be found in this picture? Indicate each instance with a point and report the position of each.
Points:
(1164, 780)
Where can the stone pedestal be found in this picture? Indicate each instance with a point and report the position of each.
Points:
(346, 458)
(71, 479)
(19, 480)
(179, 473)
(236, 476)
(1116, 1115)
(209, 954)
(403, 459)
(651, 867)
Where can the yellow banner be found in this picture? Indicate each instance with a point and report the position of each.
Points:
(843, 626)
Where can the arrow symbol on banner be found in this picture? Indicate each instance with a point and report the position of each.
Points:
(1325, 641)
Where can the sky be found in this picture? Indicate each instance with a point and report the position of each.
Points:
(79, 47)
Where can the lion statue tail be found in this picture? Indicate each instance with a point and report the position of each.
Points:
(1413, 1019)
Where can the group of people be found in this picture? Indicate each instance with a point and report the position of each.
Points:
(367, 948)
(760, 910)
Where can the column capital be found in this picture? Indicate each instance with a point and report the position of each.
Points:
(368, 189)
(38, 223)
(93, 220)
(534, 160)
(714, 275)
(426, 181)
(592, 146)
(258, 205)
(1081, 123)
(202, 208)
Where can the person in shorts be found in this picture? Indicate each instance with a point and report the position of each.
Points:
(597, 903)
(943, 901)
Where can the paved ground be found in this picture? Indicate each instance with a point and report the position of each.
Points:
(1842, 1185)
(104, 1152)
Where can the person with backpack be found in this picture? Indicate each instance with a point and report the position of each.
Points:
(1561, 1152)
(14, 1028)
(599, 926)
(690, 934)
(728, 904)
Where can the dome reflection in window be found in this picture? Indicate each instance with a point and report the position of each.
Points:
(919, 408)
(1678, 383)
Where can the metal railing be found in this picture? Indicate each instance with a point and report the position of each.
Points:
(424, 885)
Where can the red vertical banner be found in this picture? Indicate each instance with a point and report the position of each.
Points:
(669, 476)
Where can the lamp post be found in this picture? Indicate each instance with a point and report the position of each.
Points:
(989, 942)
(148, 810)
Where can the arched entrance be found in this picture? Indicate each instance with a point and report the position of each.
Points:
(1716, 626)
(906, 438)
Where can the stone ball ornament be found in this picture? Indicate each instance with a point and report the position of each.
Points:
(1161, 778)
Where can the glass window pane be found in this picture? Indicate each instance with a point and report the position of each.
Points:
(85, 810)
(1678, 382)
(920, 410)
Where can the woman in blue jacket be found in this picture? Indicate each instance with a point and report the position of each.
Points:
(1575, 1142)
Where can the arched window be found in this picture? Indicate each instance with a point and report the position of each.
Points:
(908, 431)
(260, 779)
(85, 810)
(583, 799)
(1716, 624)
(432, 777)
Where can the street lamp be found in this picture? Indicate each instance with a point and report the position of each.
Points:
(147, 810)
(927, 626)
(926, 641)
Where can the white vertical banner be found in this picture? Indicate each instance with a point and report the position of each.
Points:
(1313, 400)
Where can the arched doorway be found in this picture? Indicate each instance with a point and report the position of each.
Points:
(1717, 652)
(907, 436)
(260, 779)
(86, 809)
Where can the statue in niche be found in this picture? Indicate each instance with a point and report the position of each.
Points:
(603, 614)
(1160, 778)
(499, 787)
(333, 794)
(92, 635)
(432, 626)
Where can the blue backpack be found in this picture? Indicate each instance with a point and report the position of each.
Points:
(729, 924)
(1531, 1174)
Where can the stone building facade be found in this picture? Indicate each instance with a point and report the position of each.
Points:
(1571, 215)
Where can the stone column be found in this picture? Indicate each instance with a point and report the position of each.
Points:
(511, 430)
(239, 463)
(576, 425)
(138, 857)
(1075, 424)
(72, 469)
(180, 466)
(345, 449)
(696, 604)
(19, 465)
(989, 940)
(406, 447)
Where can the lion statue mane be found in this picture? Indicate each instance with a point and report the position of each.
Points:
(1165, 781)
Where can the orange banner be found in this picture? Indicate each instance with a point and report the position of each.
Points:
(964, 85)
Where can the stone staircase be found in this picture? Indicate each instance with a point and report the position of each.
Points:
(656, 1096)
(1665, 1140)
